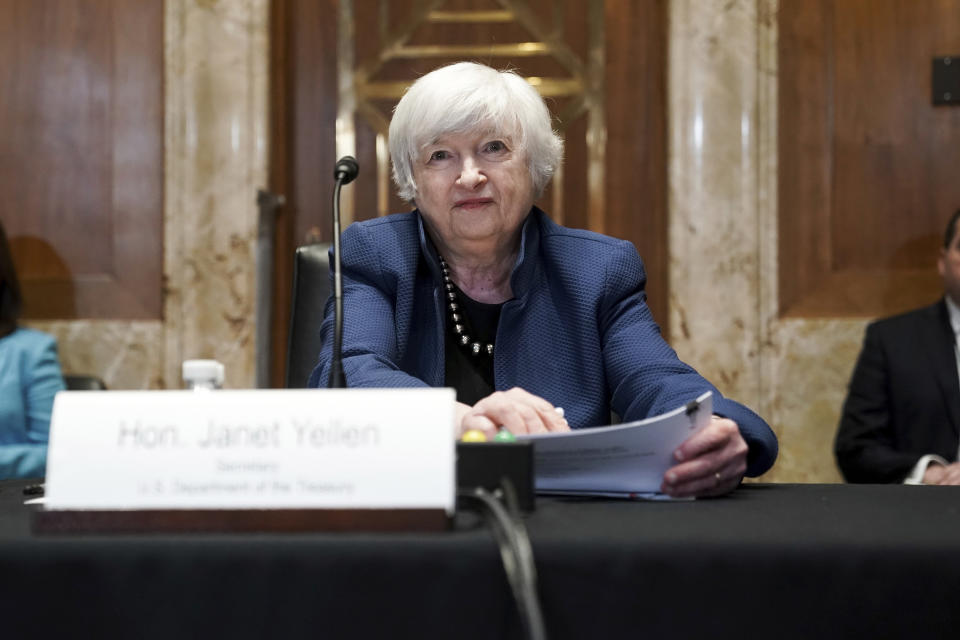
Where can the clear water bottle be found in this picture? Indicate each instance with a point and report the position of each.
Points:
(202, 375)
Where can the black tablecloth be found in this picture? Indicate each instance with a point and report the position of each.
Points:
(777, 561)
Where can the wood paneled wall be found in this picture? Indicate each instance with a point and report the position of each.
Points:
(868, 166)
(633, 186)
(81, 161)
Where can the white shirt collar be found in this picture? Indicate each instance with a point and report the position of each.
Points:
(954, 312)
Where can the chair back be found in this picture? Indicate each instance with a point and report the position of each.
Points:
(311, 288)
(77, 382)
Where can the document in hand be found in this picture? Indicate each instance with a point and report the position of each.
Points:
(624, 460)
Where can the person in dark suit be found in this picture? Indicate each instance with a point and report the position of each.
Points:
(901, 418)
(477, 289)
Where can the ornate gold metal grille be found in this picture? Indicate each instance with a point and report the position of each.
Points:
(583, 89)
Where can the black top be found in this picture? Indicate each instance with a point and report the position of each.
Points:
(470, 375)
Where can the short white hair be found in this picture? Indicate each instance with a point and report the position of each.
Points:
(467, 96)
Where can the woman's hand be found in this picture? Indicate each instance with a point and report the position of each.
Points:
(519, 411)
(711, 462)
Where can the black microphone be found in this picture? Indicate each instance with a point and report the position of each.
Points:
(345, 171)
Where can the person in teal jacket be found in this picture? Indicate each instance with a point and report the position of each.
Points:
(29, 379)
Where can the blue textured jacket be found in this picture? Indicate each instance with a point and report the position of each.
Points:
(29, 379)
(578, 331)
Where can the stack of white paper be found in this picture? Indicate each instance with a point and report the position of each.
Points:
(624, 460)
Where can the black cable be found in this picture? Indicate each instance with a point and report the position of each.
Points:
(522, 540)
(524, 552)
(516, 554)
(336, 379)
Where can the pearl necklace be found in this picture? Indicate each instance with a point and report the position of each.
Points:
(473, 347)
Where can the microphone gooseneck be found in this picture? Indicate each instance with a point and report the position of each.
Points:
(345, 172)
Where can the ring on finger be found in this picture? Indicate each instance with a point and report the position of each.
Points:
(716, 475)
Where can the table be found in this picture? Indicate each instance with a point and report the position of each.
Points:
(768, 561)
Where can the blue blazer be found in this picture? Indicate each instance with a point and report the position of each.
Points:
(578, 331)
(29, 379)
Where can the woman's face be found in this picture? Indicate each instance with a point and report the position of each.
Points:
(473, 189)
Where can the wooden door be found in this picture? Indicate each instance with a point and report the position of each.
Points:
(81, 158)
(868, 163)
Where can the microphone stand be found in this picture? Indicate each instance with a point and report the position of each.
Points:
(344, 173)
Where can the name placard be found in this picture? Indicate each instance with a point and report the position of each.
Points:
(257, 449)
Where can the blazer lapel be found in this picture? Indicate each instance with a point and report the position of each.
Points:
(940, 345)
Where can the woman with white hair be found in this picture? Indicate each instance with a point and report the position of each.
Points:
(479, 290)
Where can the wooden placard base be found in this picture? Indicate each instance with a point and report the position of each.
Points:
(64, 521)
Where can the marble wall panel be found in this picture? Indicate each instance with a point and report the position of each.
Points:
(125, 355)
(712, 192)
(215, 156)
(809, 363)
